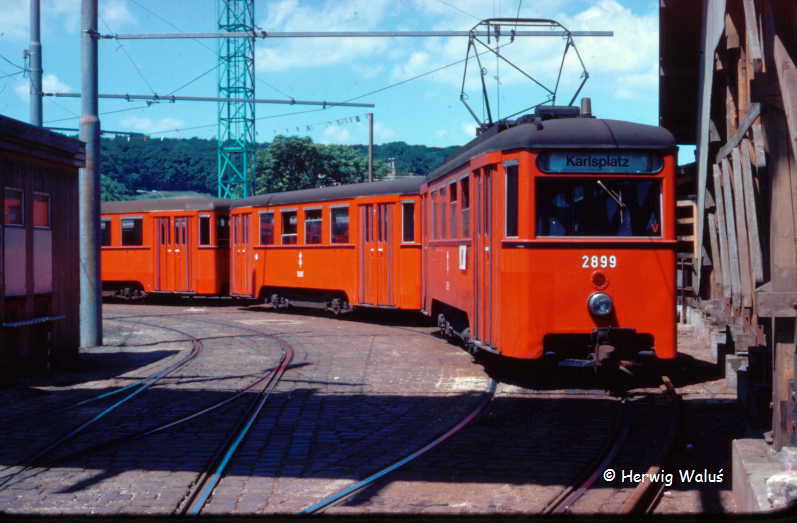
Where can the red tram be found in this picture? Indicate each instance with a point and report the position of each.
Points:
(555, 235)
(332, 247)
(169, 245)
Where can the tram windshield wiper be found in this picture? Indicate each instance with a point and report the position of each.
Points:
(617, 197)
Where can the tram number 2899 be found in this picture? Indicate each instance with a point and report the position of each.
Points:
(594, 262)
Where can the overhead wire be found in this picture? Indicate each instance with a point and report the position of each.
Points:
(129, 57)
(12, 63)
(203, 44)
(369, 93)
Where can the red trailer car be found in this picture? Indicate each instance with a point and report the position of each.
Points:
(556, 237)
(331, 247)
(169, 245)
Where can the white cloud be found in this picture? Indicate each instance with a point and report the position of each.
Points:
(441, 133)
(288, 15)
(50, 84)
(469, 129)
(638, 86)
(336, 134)
(57, 15)
(116, 13)
(383, 133)
(149, 125)
(622, 63)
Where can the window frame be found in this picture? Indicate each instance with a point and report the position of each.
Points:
(210, 230)
(122, 231)
(109, 228)
(464, 181)
(22, 205)
(49, 225)
(507, 166)
(260, 215)
(453, 197)
(332, 210)
(659, 181)
(283, 234)
(405, 203)
(307, 221)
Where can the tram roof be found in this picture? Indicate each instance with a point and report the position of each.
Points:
(166, 204)
(400, 185)
(562, 133)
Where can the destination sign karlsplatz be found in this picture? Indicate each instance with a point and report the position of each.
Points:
(599, 162)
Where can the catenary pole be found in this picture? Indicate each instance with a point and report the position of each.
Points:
(370, 147)
(89, 186)
(35, 54)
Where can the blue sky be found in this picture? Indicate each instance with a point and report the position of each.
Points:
(623, 80)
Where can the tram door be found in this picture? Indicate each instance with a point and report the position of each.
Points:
(164, 235)
(241, 283)
(179, 265)
(173, 271)
(483, 257)
(376, 253)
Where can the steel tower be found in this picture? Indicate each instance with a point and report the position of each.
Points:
(236, 121)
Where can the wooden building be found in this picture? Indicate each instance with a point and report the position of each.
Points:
(729, 86)
(39, 289)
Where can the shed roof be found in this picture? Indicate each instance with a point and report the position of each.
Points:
(29, 140)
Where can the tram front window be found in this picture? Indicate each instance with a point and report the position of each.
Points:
(598, 207)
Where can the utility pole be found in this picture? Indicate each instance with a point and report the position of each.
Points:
(370, 147)
(89, 184)
(35, 55)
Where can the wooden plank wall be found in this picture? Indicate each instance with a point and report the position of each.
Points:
(24, 349)
(751, 210)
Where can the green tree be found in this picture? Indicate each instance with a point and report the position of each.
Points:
(112, 191)
(291, 163)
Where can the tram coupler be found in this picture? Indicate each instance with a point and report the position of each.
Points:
(608, 343)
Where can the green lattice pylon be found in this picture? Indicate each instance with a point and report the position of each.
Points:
(236, 120)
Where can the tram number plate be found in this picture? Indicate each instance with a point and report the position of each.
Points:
(594, 262)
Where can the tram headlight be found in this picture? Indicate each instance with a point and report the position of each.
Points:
(600, 304)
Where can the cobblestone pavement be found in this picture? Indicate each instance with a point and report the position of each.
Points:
(358, 396)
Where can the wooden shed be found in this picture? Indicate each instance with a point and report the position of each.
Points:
(39, 254)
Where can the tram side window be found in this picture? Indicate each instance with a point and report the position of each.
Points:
(266, 228)
(465, 206)
(312, 226)
(435, 216)
(452, 190)
(204, 230)
(443, 209)
(132, 231)
(511, 200)
(13, 207)
(289, 222)
(340, 225)
(105, 230)
(222, 231)
(408, 222)
(598, 207)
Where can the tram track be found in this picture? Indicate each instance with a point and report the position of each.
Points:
(37, 462)
(646, 494)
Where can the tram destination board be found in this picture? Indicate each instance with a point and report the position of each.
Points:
(599, 162)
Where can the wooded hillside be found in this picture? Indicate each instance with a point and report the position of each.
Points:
(134, 166)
